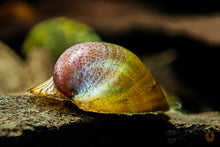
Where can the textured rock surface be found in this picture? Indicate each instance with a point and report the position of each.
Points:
(19, 113)
(29, 119)
(17, 75)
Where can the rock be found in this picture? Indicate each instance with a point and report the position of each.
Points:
(11, 70)
(20, 113)
(36, 120)
(17, 75)
(39, 65)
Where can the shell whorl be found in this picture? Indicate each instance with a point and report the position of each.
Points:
(86, 66)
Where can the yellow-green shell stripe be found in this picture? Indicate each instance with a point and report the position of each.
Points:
(128, 86)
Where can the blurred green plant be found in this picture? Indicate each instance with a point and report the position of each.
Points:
(58, 34)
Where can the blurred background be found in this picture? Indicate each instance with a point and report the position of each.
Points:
(179, 42)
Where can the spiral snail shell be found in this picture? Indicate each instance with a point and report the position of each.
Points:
(56, 34)
(105, 78)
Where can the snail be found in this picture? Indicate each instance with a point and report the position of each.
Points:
(104, 78)
(56, 34)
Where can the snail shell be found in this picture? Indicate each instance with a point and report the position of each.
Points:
(56, 34)
(105, 78)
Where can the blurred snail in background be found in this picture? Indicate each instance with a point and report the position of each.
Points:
(104, 78)
(57, 34)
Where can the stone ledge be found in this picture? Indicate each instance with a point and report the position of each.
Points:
(33, 120)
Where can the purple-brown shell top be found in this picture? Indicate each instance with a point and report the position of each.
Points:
(106, 78)
(84, 66)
